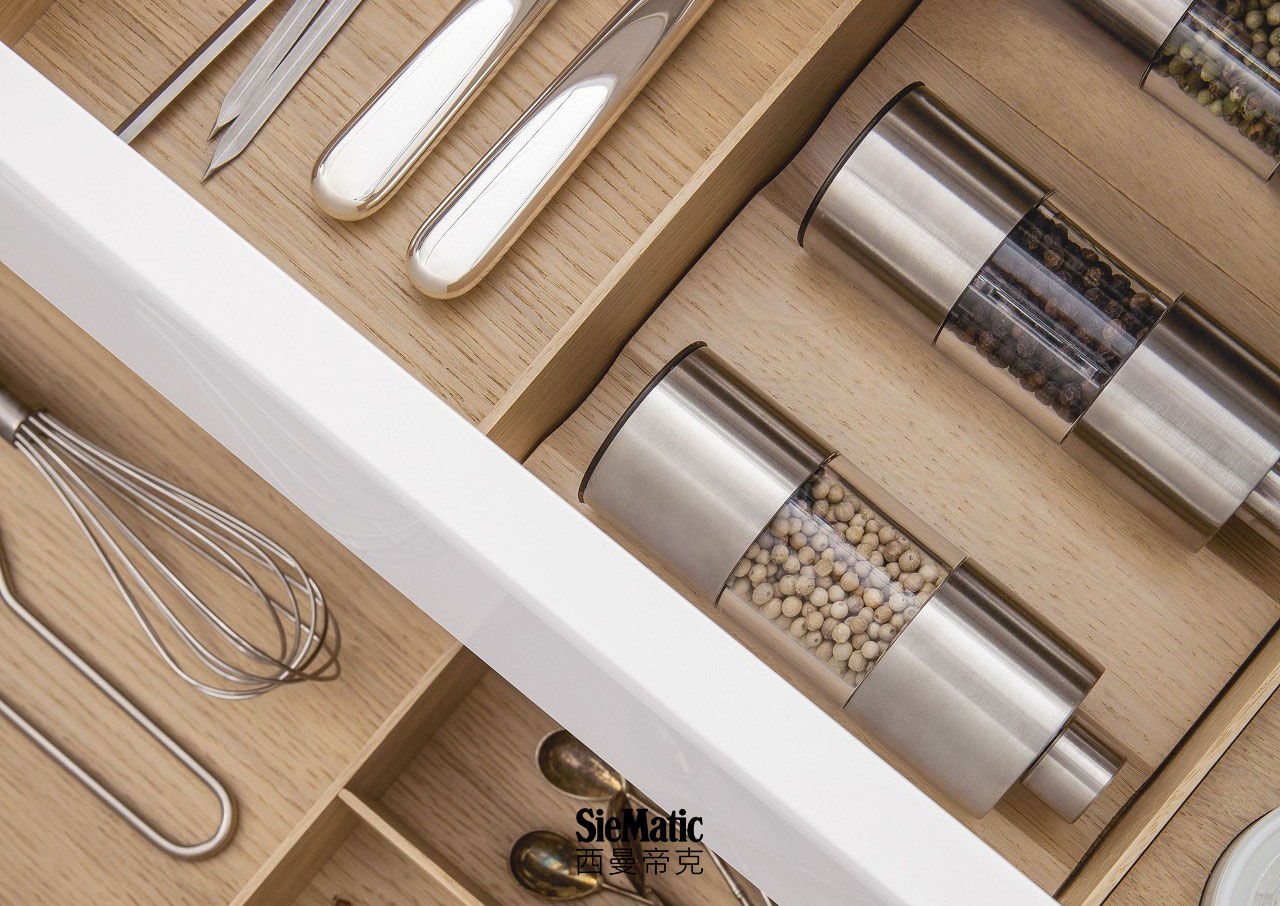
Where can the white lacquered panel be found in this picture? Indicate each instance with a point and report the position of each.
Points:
(412, 488)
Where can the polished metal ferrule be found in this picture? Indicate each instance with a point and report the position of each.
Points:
(698, 464)
(1141, 25)
(12, 414)
(978, 693)
(916, 207)
(1187, 429)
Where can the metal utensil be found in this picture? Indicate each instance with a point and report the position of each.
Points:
(485, 214)
(633, 845)
(191, 68)
(273, 50)
(262, 103)
(378, 150)
(545, 863)
(101, 490)
(576, 771)
(226, 806)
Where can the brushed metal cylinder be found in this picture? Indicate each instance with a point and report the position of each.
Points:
(699, 463)
(1261, 511)
(975, 691)
(1074, 770)
(1141, 25)
(12, 414)
(1188, 428)
(916, 207)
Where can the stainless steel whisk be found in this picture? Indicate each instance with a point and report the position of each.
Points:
(197, 641)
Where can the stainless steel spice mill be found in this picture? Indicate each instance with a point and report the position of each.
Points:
(840, 588)
(1214, 62)
(1166, 406)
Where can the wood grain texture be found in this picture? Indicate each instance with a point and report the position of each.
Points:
(276, 754)
(108, 54)
(1243, 787)
(367, 871)
(323, 830)
(474, 789)
(451, 880)
(963, 461)
(16, 16)
(1149, 813)
(566, 370)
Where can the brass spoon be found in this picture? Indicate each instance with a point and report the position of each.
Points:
(545, 863)
(576, 771)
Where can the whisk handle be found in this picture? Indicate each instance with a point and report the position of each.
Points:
(12, 414)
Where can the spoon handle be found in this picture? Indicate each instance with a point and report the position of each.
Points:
(729, 880)
(631, 895)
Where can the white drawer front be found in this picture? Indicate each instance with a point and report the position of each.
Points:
(408, 485)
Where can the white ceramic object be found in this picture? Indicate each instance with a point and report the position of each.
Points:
(1248, 872)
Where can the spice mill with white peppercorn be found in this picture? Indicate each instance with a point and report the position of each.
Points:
(846, 593)
(1174, 413)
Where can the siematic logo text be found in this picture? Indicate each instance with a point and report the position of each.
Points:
(637, 826)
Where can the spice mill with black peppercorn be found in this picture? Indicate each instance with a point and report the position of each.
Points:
(1175, 414)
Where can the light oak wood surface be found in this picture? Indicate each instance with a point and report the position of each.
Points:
(1243, 787)
(963, 461)
(474, 789)
(109, 54)
(381, 803)
(276, 754)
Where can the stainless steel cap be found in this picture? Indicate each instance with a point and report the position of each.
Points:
(697, 466)
(916, 207)
(1074, 770)
(974, 693)
(1188, 429)
(1141, 25)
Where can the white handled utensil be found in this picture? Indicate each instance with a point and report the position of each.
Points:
(481, 218)
(378, 150)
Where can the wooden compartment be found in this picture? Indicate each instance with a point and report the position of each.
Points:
(523, 351)
(108, 55)
(445, 787)
(657, 188)
(1241, 788)
(956, 455)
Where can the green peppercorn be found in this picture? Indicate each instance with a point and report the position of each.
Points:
(1204, 97)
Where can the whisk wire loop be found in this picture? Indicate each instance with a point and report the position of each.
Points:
(96, 487)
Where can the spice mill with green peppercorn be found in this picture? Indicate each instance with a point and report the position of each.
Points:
(1214, 62)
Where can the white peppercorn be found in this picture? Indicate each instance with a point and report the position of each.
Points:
(837, 576)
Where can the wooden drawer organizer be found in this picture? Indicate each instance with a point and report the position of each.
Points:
(663, 232)
(1241, 788)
